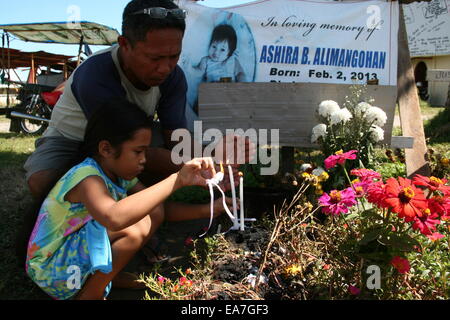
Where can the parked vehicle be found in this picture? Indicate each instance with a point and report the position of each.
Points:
(35, 107)
(32, 114)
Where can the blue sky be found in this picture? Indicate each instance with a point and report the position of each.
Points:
(107, 12)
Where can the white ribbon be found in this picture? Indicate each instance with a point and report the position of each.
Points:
(214, 182)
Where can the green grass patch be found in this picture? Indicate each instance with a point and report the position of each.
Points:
(15, 148)
(437, 129)
(15, 202)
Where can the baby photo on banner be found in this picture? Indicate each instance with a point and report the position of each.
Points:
(317, 41)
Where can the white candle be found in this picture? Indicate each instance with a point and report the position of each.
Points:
(241, 196)
(233, 194)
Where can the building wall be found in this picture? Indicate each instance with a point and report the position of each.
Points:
(437, 90)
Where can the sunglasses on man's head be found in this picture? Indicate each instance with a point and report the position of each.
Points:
(161, 13)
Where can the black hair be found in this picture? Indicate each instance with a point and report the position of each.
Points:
(116, 122)
(225, 32)
(136, 26)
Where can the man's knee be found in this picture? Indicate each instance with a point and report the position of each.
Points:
(41, 182)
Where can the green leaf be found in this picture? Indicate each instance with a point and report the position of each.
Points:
(371, 235)
(400, 242)
(352, 216)
(371, 213)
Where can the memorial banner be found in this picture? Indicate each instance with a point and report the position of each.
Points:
(428, 28)
(290, 41)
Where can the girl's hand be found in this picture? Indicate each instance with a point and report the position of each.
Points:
(195, 172)
(218, 205)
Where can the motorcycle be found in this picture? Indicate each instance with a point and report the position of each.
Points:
(32, 114)
(34, 110)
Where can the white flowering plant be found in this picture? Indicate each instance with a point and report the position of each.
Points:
(357, 125)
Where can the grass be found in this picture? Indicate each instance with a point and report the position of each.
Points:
(15, 199)
(15, 202)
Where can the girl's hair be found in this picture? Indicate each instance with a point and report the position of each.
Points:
(116, 122)
(225, 32)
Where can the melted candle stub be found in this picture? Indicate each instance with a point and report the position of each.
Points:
(219, 175)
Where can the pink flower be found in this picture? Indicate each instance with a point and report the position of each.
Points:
(435, 236)
(427, 223)
(339, 158)
(188, 242)
(161, 279)
(401, 264)
(354, 290)
(183, 280)
(337, 202)
(360, 188)
(365, 175)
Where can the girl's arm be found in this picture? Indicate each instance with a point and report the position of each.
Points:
(119, 215)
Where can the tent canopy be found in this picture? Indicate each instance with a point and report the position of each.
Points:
(64, 32)
(21, 59)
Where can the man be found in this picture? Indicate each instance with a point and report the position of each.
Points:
(143, 68)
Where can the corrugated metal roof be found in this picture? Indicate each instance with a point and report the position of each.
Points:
(64, 32)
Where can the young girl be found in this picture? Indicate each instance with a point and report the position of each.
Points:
(88, 228)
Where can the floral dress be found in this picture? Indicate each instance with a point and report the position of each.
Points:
(67, 245)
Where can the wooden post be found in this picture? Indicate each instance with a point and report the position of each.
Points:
(408, 101)
(447, 104)
(287, 160)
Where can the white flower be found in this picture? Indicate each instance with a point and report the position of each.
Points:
(362, 107)
(305, 167)
(376, 116)
(327, 107)
(318, 131)
(376, 133)
(318, 171)
(342, 115)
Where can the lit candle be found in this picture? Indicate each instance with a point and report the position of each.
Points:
(241, 196)
(233, 194)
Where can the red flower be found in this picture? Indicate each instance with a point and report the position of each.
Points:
(376, 193)
(354, 290)
(339, 158)
(439, 205)
(401, 264)
(432, 183)
(188, 241)
(426, 224)
(404, 198)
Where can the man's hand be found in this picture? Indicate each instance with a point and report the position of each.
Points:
(225, 184)
(234, 150)
(218, 206)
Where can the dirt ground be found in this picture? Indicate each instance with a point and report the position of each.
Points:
(171, 238)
